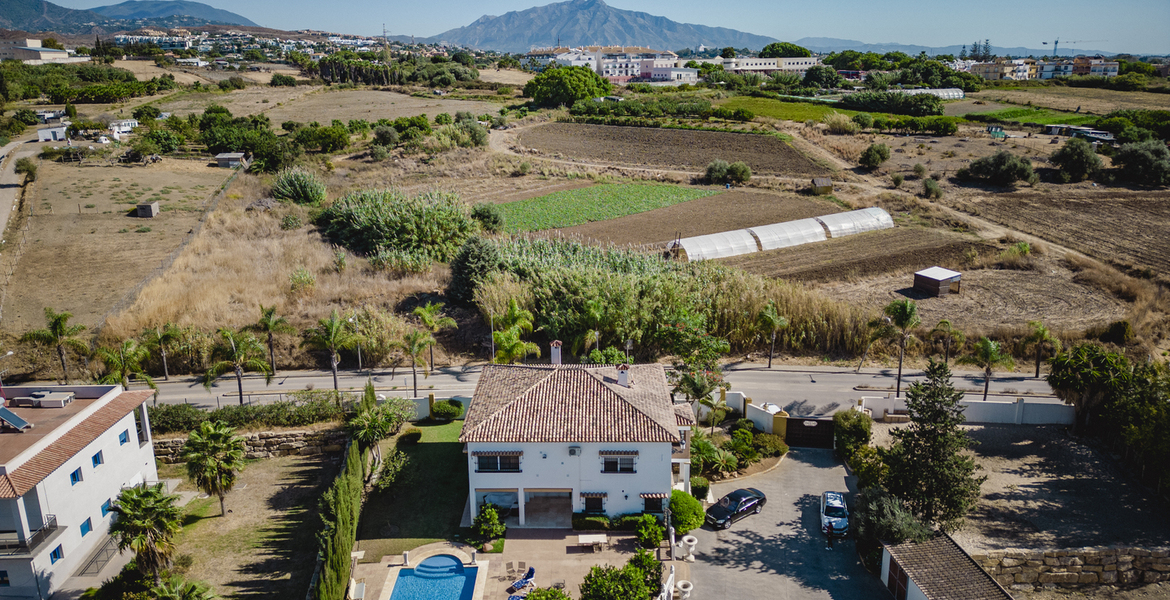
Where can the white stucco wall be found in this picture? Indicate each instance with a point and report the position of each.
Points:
(125, 465)
(549, 467)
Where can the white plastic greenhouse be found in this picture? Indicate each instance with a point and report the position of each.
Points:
(944, 93)
(856, 221)
(717, 245)
(792, 233)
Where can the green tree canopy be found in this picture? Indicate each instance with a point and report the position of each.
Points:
(1077, 159)
(59, 334)
(784, 50)
(1087, 377)
(823, 77)
(566, 85)
(928, 469)
(214, 455)
(147, 521)
(611, 583)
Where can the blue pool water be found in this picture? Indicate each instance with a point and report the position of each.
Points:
(440, 577)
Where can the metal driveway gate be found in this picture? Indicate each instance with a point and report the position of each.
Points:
(809, 432)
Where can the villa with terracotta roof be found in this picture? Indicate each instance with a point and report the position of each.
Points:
(65, 454)
(546, 441)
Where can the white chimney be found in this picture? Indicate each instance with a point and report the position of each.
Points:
(555, 353)
(624, 375)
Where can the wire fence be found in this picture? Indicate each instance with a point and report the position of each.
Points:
(17, 251)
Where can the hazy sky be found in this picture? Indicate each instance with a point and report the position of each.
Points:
(1136, 26)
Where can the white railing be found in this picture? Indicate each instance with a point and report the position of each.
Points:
(668, 586)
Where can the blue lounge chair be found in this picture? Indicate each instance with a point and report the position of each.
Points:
(525, 581)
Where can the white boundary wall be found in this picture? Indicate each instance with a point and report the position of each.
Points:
(1019, 411)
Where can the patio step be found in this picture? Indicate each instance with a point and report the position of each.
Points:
(438, 569)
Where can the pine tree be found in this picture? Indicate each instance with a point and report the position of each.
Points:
(928, 469)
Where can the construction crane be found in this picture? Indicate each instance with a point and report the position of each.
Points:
(1056, 44)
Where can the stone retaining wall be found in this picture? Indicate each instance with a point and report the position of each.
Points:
(1029, 569)
(266, 444)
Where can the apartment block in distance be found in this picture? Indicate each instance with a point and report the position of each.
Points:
(66, 452)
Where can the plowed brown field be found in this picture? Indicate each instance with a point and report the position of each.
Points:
(722, 212)
(1127, 228)
(668, 148)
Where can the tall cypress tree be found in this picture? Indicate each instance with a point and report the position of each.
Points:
(928, 469)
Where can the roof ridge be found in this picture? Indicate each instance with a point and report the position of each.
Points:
(635, 406)
(518, 397)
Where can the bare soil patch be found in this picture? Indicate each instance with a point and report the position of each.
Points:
(902, 249)
(265, 546)
(963, 107)
(1088, 100)
(992, 298)
(508, 76)
(1121, 227)
(145, 70)
(84, 252)
(722, 212)
(1046, 490)
(370, 105)
(248, 101)
(684, 149)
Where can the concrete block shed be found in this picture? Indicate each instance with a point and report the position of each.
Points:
(937, 281)
(148, 211)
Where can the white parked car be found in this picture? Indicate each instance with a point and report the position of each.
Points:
(834, 515)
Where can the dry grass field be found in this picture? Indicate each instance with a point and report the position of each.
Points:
(145, 70)
(85, 252)
(248, 101)
(370, 105)
(1089, 100)
(508, 76)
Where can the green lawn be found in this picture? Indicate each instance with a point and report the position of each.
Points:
(785, 111)
(595, 203)
(1042, 116)
(426, 502)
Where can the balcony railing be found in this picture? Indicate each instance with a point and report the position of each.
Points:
(10, 540)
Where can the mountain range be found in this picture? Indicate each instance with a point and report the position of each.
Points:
(40, 16)
(590, 23)
(826, 45)
(151, 9)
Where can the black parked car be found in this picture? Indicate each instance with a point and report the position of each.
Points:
(735, 506)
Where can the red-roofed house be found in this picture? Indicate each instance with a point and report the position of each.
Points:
(551, 440)
(65, 454)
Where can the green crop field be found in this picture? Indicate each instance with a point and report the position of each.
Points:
(594, 203)
(1042, 116)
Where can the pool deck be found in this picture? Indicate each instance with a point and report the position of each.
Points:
(392, 564)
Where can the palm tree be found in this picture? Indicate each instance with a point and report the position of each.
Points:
(697, 386)
(123, 361)
(903, 316)
(158, 338)
(59, 333)
(177, 588)
(987, 355)
(949, 335)
(147, 521)
(516, 316)
(369, 427)
(510, 348)
(434, 321)
(238, 352)
(214, 455)
(876, 329)
(593, 315)
(718, 406)
(1039, 336)
(770, 322)
(331, 335)
(413, 344)
(269, 325)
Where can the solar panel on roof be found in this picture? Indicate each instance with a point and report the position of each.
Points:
(13, 419)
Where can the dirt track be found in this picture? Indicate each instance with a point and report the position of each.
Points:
(723, 212)
(692, 150)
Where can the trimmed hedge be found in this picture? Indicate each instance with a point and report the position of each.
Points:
(700, 486)
(410, 437)
(182, 418)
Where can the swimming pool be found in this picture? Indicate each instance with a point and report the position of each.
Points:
(440, 577)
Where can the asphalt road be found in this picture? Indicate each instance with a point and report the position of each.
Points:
(780, 553)
(800, 390)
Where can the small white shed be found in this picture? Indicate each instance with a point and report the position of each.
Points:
(52, 134)
(938, 281)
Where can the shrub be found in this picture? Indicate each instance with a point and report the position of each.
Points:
(475, 259)
(1001, 168)
(626, 522)
(840, 124)
(399, 262)
(385, 136)
(410, 436)
(489, 217)
(547, 594)
(433, 224)
(280, 79)
(393, 465)
(742, 424)
(863, 120)
(686, 513)
(443, 119)
(739, 172)
(1145, 162)
(874, 155)
(853, 429)
(487, 525)
(931, 189)
(175, 418)
(302, 281)
(880, 517)
(717, 171)
(770, 445)
(700, 487)
(649, 532)
(446, 410)
(379, 153)
(590, 522)
(919, 170)
(896, 180)
(28, 167)
(504, 91)
(650, 568)
(182, 418)
(869, 467)
(298, 186)
(1118, 332)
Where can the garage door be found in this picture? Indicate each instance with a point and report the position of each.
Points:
(809, 433)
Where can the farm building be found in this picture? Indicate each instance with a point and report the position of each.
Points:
(779, 235)
(822, 185)
(148, 210)
(52, 134)
(230, 160)
(123, 126)
(937, 281)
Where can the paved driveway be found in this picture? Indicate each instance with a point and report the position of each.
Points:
(780, 553)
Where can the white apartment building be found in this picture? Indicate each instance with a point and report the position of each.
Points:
(66, 452)
(1051, 69)
(550, 440)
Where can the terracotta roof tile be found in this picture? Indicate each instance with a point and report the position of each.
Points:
(943, 571)
(37, 468)
(683, 415)
(570, 403)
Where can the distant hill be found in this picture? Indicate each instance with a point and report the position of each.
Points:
(38, 15)
(150, 9)
(826, 45)
(590, 23)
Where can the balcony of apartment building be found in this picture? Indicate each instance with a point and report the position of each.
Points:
(29, 542)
